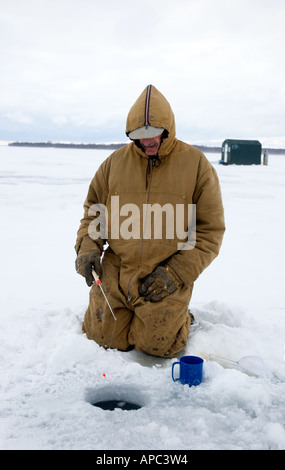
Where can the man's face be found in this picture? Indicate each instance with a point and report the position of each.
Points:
(152, 145)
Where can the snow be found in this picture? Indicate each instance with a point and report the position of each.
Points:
(51, 373)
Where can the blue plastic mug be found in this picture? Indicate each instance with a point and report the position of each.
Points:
(190, 370)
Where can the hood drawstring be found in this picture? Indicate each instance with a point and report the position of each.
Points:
(155, 161)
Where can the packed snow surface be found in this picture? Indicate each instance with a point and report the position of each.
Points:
(51, 373)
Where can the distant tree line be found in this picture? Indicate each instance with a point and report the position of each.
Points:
(66, 145)
(91, 146)
(115, 146)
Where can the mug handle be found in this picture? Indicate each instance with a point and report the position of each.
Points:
(174, 363)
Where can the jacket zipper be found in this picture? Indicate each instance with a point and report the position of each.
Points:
(147, 202)
(146, 109)
(129, 298)
(146, 123)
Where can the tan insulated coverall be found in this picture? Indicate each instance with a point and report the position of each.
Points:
(183, 176)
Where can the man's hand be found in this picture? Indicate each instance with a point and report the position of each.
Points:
(85, 263)
(160, 283)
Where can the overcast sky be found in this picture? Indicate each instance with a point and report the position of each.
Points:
(71, 69)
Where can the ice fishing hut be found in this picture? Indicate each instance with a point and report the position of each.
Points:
(241, 152)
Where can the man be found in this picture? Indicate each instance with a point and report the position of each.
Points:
(148, 272)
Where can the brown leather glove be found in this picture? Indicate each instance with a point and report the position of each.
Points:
(160, 283)
(86, 262)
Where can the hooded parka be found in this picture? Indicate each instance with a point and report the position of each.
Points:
(132, 186)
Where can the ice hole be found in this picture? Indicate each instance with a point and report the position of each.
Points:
(113, 404)
(111, 397)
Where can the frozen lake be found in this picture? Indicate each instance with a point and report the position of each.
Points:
(49, 370)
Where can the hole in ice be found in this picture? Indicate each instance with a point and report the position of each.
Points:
(113, 397)
(113, 404)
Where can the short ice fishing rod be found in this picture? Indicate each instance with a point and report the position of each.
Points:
(99, 283)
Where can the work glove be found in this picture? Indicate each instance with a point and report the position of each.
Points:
(160, 283)
(86, 262)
